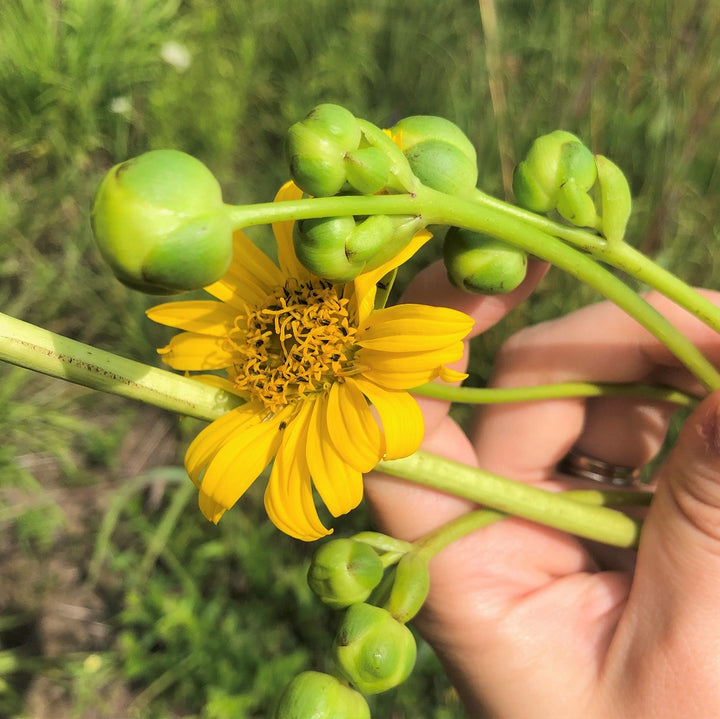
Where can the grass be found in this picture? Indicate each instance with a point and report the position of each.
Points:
(118, 599)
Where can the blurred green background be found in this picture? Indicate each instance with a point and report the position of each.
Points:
(117, 599)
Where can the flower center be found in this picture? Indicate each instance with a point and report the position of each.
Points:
(299, 341)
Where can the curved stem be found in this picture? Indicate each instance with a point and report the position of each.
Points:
(510, 497)
(626, 258)
(496, 395)
(617, 254)
(438, 208)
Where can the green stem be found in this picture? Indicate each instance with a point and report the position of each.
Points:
(439, 208)
(626, 258)
(35, 348)
(496, 395)
(617, 254)
(443, 536)
(510, 497)
(39, 349)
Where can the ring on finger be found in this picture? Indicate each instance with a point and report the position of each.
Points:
(585, 466)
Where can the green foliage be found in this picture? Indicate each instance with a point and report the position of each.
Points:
(211, 622)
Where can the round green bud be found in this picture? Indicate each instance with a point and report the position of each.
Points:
(160, 223)
(373, 651)
(344, 572)
(320, 247)
(440, 154)
(411, 584)
(313, 695)
(550, 162)
(482, 264)
(316, 148)
(317, 166)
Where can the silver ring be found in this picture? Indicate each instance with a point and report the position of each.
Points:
(583, 466)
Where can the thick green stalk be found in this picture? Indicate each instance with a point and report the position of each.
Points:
(28, 346)
(509, 497)
(38, 349)
(443, 536)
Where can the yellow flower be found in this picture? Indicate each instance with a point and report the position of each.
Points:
(309, 358)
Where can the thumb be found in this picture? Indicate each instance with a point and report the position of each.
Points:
(673, 604)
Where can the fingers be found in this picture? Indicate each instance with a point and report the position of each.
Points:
(598, 343)
(672, 612)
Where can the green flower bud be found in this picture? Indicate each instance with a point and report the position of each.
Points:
(440, 154)
(615, 200)
(320, 247)
(410, 588)
(547, 166)
(339, 248)
(312, 695)
(160, 223)
(316, 148)
(344, 572)
(482, 264)
(373, 651)
(317, 165)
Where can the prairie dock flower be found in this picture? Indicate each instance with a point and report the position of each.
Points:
(309, 358)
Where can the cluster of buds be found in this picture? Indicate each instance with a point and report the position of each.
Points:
(380, 589)
(331, 152)
(559, 173)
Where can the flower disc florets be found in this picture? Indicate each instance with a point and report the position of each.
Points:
(298, 342)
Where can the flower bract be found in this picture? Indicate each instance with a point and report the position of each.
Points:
(323, 374)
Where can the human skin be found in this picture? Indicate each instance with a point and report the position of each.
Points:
(531, 622)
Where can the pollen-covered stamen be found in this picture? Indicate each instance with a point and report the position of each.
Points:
(299, 341)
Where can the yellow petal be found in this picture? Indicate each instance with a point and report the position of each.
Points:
(365, 284)
(283, 232)
(404, 370)
(412, 328)
(450, 375)
(241, 458)
(401, 417)
(355, 433)
(202, 316)
(252, 275)
(208, 442)
(210, 508)
(339, 485)
(288, 497)
(193, 352)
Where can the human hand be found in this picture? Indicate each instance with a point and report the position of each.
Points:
(531, 622)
